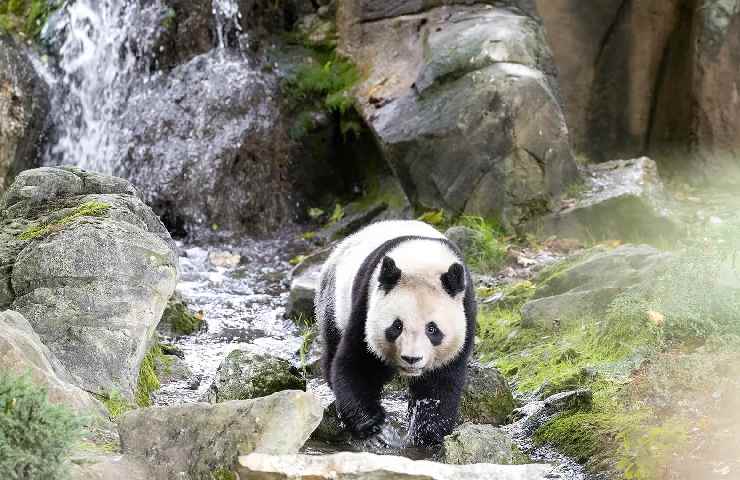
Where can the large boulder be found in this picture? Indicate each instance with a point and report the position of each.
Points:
(21, 352)
(245, 375)
(613, 60)
(91, 268)
(716, 60)
(191, 441)
(440, 77)
(350, 466)
(583, 288)
(619, 200)
(24, 104)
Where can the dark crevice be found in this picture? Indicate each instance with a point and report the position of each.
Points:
(655, 95)
(618, 17)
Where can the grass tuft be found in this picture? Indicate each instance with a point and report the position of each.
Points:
(88, 209)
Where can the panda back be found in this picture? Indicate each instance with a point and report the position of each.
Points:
(341, 269)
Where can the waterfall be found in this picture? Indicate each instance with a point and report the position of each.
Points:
(104, 52)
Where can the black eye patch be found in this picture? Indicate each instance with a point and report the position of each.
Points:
(434, 333)
(394, 331)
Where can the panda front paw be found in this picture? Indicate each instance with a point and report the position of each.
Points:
(364, 424)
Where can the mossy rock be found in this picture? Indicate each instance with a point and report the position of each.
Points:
(178, 319)
(472, 443)
(486, 397)
(245, 375)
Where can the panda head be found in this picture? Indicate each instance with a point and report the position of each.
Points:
(416, 320)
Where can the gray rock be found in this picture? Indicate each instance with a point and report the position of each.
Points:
(170, 368)
(92, 285)
(471, 443)
(304, 282)
(463, 237)
(346, 466)
(439, 82)
(245, 375)
(535, 414)
(486, 397)
(195, 440)
(21, 352)
(109, 467)
(582, 289)
(620, 200)
(24, 104)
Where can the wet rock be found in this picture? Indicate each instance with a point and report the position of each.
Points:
(471, 443)
(24, 104)
(21, 352)
(224, 259)
(304, 282)
(582, 289)
(439, 80)
(178, 319)
(621, 200)
(346, 466)
(170, 368)
(486, 397)
(195, 440)
(206, 144)
(535, 414)
(246, 375)
(90, 267)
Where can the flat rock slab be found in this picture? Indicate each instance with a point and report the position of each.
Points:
(190, 441)
(621, 200)
(346, 466)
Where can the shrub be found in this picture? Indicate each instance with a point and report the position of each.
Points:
(35, 435)
(488, 250)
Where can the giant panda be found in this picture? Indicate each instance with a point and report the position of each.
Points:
(396, 298)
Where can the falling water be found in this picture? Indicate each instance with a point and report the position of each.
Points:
(102, 42)
(104, 53)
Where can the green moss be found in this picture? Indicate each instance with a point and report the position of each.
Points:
(116, 404)
(148, 381)
(35, 435)
(223, 474)
(26, 17)
(88, 209)
(180, 319)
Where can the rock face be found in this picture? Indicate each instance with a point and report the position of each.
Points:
(486, 396)
(91, 268)
(208, 148)
(440, 77)
(194, 440)
(621, 199)
(24, 104)
(21, 351)
(471, 443)
(346, 466)
(586, 287)
(246, 375)
(304, 282)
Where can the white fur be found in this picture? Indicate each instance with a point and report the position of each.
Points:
(417, 300)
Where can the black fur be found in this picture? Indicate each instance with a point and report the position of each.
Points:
(390, 274)
(453, 280)
(357, 376)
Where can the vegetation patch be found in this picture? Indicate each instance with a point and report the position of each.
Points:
(26, 17)
(180, 319)
(487, 252)
(116, 404)
(35, 435)
(87, 209)
(148, 381)
(324, 84)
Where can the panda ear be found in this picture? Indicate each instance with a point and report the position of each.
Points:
(453, 281)
(390, 274)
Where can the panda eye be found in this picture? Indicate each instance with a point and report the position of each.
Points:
(397, 325)
(432, 329)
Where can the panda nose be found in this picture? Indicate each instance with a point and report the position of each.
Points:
(410, 360)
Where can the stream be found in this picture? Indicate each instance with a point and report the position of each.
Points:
(241, 288)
